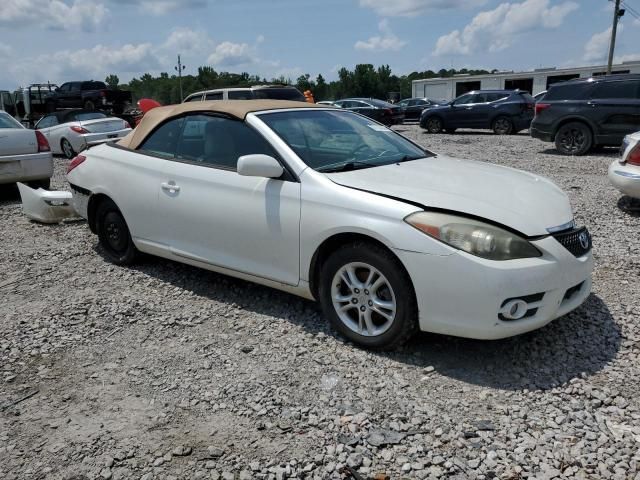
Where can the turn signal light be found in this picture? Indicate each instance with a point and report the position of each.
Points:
(634, 156)
(541, 106)
(43, 144)
(75, 162)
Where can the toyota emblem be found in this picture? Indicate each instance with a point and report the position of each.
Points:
(583, 238)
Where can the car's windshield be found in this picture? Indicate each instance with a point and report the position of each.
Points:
(7, 121)
(329, 140)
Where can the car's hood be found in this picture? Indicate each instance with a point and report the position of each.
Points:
(522, 201)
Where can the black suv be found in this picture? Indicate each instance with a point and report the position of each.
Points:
(582, 113)
(503, 111)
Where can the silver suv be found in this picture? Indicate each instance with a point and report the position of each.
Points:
(272, 92)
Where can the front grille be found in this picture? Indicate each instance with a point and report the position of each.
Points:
(577, 241)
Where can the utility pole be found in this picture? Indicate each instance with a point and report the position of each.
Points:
(617, 13)
(179, 68)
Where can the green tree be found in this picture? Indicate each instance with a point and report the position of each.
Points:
(112, 80)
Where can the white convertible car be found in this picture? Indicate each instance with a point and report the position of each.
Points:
(71, 131)
(624, 173)
(330, 205)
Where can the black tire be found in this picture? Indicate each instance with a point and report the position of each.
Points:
(502, 125)
(89, 105)
(114, 235)
(45, 183)
(67, 149)
(450, 131)
(50, 107)
(574, 138)
(405, 320)
(433, 124)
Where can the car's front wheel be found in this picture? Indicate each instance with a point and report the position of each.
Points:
(502, 125)
(433, 125)
(368, 296)
(574, 138)
(113, 234)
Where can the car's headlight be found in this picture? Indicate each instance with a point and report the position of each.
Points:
(472, 236)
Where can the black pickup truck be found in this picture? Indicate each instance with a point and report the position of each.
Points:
(88, 95)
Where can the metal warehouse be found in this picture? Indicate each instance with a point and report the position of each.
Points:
(534, 81)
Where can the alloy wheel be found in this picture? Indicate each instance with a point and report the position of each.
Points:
(67, 149)
(363, 299)
(434, 125)
(502, 126)
(572, 140)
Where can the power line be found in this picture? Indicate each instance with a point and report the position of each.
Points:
(634, 13)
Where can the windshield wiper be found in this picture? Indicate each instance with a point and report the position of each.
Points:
(344, 166)
(408, 158)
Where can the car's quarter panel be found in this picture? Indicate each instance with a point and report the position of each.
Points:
(329, 209)
(132, 181)
(245, 224)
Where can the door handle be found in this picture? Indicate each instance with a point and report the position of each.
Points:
(170, 187)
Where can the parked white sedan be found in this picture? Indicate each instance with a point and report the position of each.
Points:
(330, 205)
(624, 173)
(25, 155)
(71, 131)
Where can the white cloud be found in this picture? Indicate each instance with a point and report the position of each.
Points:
(186, 40)
(53, 14)
(412, 8)
(629, 57)
(229, 54)
(381, 43)
(162, 7)
(597, 48)
(495, 30)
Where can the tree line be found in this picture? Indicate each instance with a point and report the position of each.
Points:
(363, 81)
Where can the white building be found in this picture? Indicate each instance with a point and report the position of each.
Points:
(534, 82)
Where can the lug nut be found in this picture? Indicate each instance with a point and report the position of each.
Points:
(366, 292)
(370, 303)
(354, 300)
(355, 290)
(362, 308)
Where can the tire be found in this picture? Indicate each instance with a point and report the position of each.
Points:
(45, 184)
(433, 124)
(114, 235)
(400, 319)
(89, 105)
(67, 149)
(574, 138)
(50, 107)
(502, 125)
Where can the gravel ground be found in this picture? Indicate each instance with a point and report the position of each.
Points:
(164, 371)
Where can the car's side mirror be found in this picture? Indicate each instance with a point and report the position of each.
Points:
(259, 165)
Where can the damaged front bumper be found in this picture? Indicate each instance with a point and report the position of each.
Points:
(46, 206)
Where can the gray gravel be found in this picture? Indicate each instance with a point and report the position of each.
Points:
(164, 371)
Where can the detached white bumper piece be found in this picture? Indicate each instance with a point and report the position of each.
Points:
(45, 206)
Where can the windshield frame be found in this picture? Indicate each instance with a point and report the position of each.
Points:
(261, 117)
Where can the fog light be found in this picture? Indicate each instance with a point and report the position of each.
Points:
(515, 309)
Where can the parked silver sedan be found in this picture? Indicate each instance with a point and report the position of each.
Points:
(25, 155)
(71, 131)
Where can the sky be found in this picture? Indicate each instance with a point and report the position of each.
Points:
(63, 40)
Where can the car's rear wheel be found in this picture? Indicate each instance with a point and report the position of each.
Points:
(574, 138)
(502, 125)
(89, 105)
(67, 148)
(433, 125)
(113, 234)
(368, 296)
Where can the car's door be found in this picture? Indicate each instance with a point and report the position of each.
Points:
(414, 108)
(614, 106)
(215, 216)
(459, 115)
(62, 95)
(482, 109)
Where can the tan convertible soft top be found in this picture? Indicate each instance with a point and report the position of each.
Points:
(235, 108)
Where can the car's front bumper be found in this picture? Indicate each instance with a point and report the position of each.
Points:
(625, 178)
(463, 295)
(25, 168)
